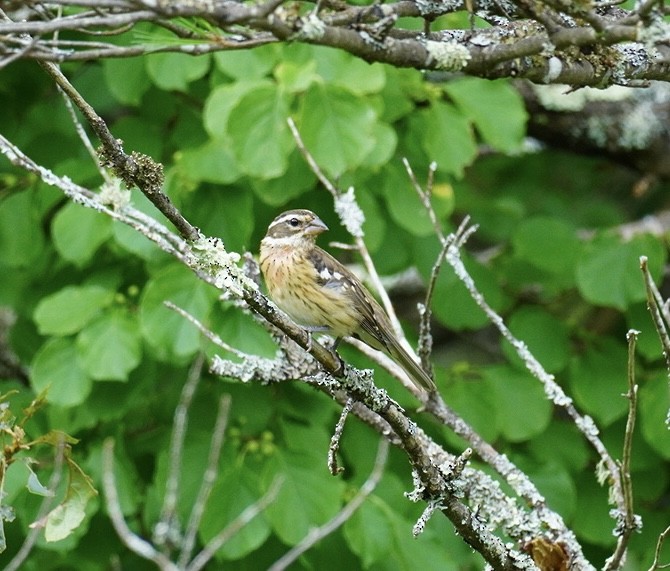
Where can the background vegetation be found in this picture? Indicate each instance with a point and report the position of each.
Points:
(83, 316)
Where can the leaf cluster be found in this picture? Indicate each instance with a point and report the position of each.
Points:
(91, 325)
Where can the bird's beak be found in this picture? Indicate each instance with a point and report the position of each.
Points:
(316, 227)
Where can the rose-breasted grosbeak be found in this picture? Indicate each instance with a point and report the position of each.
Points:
(319, 293)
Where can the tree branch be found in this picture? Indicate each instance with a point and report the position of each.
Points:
(530, 39)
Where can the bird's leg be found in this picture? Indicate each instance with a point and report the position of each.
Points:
(312, 329)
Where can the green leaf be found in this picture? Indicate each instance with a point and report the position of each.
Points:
(561, 442)
(141, 134)
(648, 344)
(598, 380)
(452, 304)
(235, 490)
(68, 515)
(547, 243)
(234, 223)
(130, 491)
(337, 128)
(67, 311)
(340, 68)
(169, 334)
(516, 391)
(21, 239)
(406, 207)
(174, 71)
(555, 484)
(310, 496)
(386, 142)
(297, 180)
(397, 92)
(654, 407)
(378, 534)
(110, 347)
(56, 368)
(126, 79)
(547, 338)
(193, 465)
(247, 64)
(129, 238)
(221, 102)
(296, 77)
(259, 133)
(211, 162)
(592, 522)
(496, 109)
(475, 401)
(608, 271)
(243, 332)
(369, 532)
(447, 138)
(78, 232)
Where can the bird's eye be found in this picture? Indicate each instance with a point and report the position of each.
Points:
(294, 222)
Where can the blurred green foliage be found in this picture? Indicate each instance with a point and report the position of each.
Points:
(92, 328)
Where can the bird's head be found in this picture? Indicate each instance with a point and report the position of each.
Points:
(295, 227)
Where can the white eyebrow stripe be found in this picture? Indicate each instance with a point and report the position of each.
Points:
(283, 219)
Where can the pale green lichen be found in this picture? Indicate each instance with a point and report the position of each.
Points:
(447, 55)
(556, 97)
(640, 127)
(215, 260)
(657, 32)
(112, 194)
(312, 28)
(350, 213)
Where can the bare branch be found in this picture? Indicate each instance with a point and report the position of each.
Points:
(132, 541)
(208, 480)
(352, 219)
(657, 309)
(29, 542)
(627, 521)
(523, 40)
(333, 468)
(235, 526)
(167, 530)
(657, 552)
(317, 534)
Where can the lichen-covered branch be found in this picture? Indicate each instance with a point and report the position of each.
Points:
(214, 265)
(547, 42)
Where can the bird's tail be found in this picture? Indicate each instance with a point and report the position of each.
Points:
(414, 371)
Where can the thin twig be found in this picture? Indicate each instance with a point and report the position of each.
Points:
(132, 541)
(31, 537)
(388, 364)
(424, 194)
(333, 468)
(345, 514)
(213, 337)
(83, 137)
(657, 552)
(425, 312)
(133, 169)
(656, 305)
(235, 526)
(627, 522)
(208, 480)
(552, 389)
(373, 276)
(167, 530)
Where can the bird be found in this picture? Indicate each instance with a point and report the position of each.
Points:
(319, 293)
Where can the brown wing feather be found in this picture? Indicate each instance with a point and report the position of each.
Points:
(374, 328)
